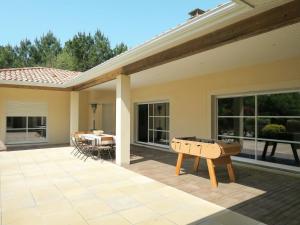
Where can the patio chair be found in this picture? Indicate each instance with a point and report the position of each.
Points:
(74, 144)
(77, 141)
(83, 147)
(105, 147)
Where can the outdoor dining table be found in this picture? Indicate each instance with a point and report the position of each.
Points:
(98, 139)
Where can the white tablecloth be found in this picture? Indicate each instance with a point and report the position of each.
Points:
(97, 140)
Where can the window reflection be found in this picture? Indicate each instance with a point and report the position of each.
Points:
(272, 121)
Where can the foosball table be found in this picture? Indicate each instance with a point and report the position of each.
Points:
(215, 152)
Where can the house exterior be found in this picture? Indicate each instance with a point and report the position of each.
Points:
(230, 73)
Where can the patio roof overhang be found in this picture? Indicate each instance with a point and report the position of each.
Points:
(241, 24)
(275, 46)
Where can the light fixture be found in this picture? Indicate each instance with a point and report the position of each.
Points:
(94, 108)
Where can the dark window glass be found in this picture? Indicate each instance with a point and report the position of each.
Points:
(161, 109)
(242, 127)
(239, 106)
(161, 123)
(285, 104)
(151, 110)
(151, 136)
(36, 122)
(161, 137)
(150, 122)
(15, 122)
(143, 123)
(157, 119)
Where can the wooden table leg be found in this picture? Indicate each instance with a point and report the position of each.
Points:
(265, 150)
(196, 164)
(274, 148)
(212, 173)
(230, 171)
(294, 149)
(179, 163)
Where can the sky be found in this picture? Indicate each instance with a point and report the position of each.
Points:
(130, 21)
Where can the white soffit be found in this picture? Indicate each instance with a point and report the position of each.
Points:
(276, 45)
(214, 19)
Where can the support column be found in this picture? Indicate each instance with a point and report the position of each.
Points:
(74, 112)
(123, 120)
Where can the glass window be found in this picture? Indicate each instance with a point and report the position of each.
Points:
(238, 106)
(35, 135)
(161, 137)
(26, 129)
(238, 127)
(150, 122)
(283, 129)
(158, 119)
(36, 122)
(151, 110)
(151, 136)
(15, 122)
(161, 123)
(266, 125)
(17, 135)
(142, 123)
(161, 109)
(284, 104)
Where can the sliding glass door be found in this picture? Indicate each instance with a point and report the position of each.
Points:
(153, 123)
(267, 125)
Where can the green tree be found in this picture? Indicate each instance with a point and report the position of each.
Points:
(24, 54)
(7, 56)
(101, 49)
(48, 47)
(120, 48)
(65, 61)
(80, 53)
(81, 48)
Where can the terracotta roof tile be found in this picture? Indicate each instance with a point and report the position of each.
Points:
(38, 75)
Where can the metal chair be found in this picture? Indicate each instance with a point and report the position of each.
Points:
(105, 147)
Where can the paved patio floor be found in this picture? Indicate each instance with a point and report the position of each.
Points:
(52, 187)
(268, 196)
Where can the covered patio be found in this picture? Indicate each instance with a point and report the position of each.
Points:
(192, 89)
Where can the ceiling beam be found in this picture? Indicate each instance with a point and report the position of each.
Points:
(98, 80)
(272, 19)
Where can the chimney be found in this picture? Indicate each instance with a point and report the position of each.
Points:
(196, 12)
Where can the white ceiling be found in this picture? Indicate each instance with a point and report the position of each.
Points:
(272, 46)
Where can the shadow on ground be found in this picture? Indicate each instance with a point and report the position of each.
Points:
(264, 195)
